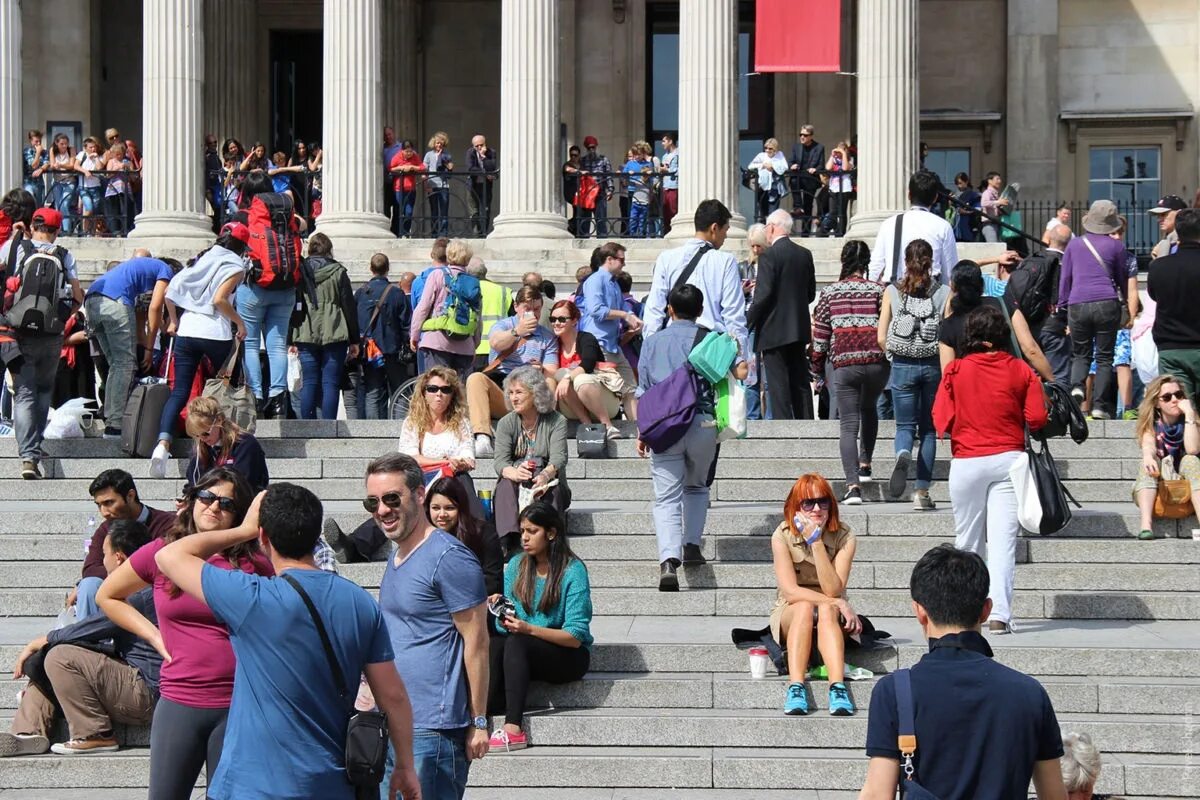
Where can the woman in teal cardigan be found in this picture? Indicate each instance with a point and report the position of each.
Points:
(548, 636)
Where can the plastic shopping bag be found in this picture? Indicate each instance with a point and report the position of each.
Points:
(731, 408)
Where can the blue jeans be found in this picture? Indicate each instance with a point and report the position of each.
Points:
(406, 201)
(85, 598)
(439, 210)
(321, 367)
(189, 351)
(638, 212)
(914, 383)
(37, 188)
(440, 757)
(63, 196)
(266, 312)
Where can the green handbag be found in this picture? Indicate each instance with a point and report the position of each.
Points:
(714, 356)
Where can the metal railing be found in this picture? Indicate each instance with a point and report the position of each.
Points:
(89, 211)
(635, 209)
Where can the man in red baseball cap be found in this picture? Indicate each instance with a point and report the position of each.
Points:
(39, 339)
(600, 168)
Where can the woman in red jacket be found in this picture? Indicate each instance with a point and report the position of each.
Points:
(985, 401)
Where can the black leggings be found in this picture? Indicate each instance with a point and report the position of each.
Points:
(519, 659)
(182, 739)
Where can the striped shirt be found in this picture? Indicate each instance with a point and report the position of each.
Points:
(845, 324)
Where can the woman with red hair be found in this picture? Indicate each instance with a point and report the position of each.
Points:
(813, 552)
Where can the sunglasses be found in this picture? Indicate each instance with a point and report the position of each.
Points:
(226, 504)
(1167, 397)
(391, 500)
(446, 390)
(558, 320)
(809, 503)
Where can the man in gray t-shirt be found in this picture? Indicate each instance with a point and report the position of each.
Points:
(433, 603)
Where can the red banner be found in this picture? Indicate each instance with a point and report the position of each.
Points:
(798, 36)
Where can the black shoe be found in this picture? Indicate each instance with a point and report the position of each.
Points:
(899, 479)
(668, 578)
(692, 555)
(853, 497)
(343, 549)
(276, 408)
(864, 474)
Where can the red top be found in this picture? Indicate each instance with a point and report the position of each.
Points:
(985, 401)
(405, 181)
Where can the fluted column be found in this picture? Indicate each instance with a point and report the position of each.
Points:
(230, 95)
(10, 94)
(888, 111)
(353, 162)
(400, 68)
(173, 142)
(708, 111)
(530, 194)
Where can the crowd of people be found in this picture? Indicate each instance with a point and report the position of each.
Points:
(484, 584)
(97, 189)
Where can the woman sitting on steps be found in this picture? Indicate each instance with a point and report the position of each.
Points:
(1168, 433)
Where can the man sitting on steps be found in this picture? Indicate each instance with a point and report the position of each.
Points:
(116, 498)
(94, 689)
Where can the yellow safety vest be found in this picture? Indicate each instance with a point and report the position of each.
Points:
(496, 300)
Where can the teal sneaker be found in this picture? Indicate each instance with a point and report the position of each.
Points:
(796, 704)
(840, 704)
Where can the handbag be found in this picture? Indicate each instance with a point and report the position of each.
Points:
(906, 739)
(1053, 496)
(713, 357)
(366, 731)
(1173, 499)
(237, 403)
(1029, 505)
(731, 409)
(591, 441)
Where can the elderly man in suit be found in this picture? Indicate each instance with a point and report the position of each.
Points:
(787, 285)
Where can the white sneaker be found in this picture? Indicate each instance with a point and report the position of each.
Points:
(613, 432)
(22, 744)
(483, 446)
(158, 461)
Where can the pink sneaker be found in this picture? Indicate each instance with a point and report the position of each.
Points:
(503, 741)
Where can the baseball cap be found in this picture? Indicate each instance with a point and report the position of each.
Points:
(48, 217)
(591, 141)
(1167, 204)
(237, 231)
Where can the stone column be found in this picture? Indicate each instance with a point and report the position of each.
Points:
(11, 141)
(230, 94)
(353, 164)
(708, 112)
(1033, 102)
(172, 138)
(530, 192)
(888, 112)
(400, 68)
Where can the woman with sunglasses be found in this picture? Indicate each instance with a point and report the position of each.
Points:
(813, 551)
(447, 505)
(437, 430)
(1170, 440)
(219, 442)
(986, 401)
(196, 683)
(546, 634)
(588, 388)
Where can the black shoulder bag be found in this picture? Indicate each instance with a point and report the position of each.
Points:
(906, 739)
(897, 260)
(366, 731)
(683, 276)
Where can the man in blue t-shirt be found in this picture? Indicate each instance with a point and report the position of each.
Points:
(110, 308)
(982, 730)
(432, 597)
(285, 738)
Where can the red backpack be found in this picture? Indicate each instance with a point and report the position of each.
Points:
(274, 248)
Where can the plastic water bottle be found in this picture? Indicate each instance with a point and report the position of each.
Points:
(485, 500)
(91, 531)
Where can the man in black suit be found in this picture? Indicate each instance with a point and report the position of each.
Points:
(808, 162)
(787, 284)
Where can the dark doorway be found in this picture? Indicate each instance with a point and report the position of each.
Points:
(296, 66)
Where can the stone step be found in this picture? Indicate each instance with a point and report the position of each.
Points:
(647, 770)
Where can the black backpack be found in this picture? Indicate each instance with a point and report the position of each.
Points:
(37, 305)
(1033, 287)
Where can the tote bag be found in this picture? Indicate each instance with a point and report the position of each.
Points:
(731, 409)
(1029, 504)
(237, 402)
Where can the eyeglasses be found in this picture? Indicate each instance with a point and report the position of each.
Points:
(391, 500)
(559, 320)
(1167, 397)
(809, 503)
(446, 390)
(806, 136)
(226, 504)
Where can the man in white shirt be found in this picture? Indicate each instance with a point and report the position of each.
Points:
(916, 223)
(1062, 216)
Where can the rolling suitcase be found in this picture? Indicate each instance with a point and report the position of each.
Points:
(143, 412)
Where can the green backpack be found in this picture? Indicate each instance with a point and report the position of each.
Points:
(458, 317)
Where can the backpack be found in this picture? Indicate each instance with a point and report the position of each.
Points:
(6, 227)
(666, 410)
(914, 329)
(458, 317)
(274, 248)
(34, 289)
(1033, 287)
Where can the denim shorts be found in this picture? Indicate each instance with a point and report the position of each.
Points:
(1122, 351)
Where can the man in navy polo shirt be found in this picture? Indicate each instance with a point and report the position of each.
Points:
(983, 730)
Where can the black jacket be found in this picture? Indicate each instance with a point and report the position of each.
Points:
(1174, 284)
(812, 156)
(787, 285)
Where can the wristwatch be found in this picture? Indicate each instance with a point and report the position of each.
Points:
(480, 723)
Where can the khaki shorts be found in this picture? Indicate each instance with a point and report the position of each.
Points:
(610, 384)
(626, 371)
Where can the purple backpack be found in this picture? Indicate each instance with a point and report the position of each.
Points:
(666, 410)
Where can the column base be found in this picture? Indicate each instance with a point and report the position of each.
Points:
(866, 226)
(530, 226)
(164, 225)
(354, 226)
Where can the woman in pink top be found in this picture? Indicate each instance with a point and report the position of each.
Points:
(439, 348)
(196, 682)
